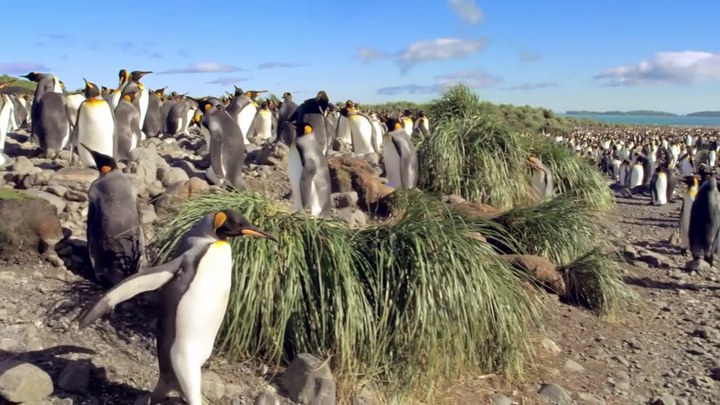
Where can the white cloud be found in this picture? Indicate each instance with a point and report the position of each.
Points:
(467, 11)
(206, 67)
(367, 54)
(439, 49)
(666, 68)
(226, 81)
(531, 86)
(474, 79)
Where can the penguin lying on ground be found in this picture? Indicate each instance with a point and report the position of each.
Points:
(194, 292)
(114, 232)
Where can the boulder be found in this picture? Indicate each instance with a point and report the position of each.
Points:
(354, 174)
(75, 377)
(56, 201)
(75, 178)
(24, 382)
(353, 216)
(308, 380)
(172, 175)
(541, 268)
(29, 223)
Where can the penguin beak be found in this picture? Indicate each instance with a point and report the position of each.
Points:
(252, 231)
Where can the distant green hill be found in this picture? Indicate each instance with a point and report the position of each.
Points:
(18, 85)
(704, 114)
(648, 113)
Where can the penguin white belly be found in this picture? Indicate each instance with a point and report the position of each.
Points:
(295, 169)
(115, 99)
(408, 126)
(378, 137)
(361, 131)
(198, 318)
(179, 127)
(6, 112)
(96, 130)
(538, 183)
(188, 120)
(685, 221)
(660, 189)
(636, 176)
(712, 157)
(343, 130)
(426, 125)
(391, 160)
(72, 105)
(245, 120)
(265, 130)
(315, 205)
(143, 101)
(616, 169)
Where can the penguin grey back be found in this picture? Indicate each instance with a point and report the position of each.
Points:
(50, 123)
(127, 128)
(408, 158)
(316, 172)
(227, 145)
(154, 122)
(177, 116)
(704, 221)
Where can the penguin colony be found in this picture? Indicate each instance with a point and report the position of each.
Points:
(101, 126)
(653, 161)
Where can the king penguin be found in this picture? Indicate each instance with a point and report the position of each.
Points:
(177, 121)
(685, 210)
(362, 131)
(243, 109)
(114, 232)
(72, 105)
(265, 124)
(286, 110)
(704, 221)
(407, 122)
(422, 125)
(658, 187)
(6, 111)
(194, 293)
(542, 178)
(636, 174)
(127, 125)
(141, 102)
(124, 79)
(49, 123)
(309, 173)
(399, 157)
(227, 147)
(95, 126)
(313, 111)
(154, 122)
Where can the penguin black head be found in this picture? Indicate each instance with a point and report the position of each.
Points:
(230, 223)
(322, 99)
(123, 75)
(160, 92)
(394, 124)
(33, 76)
(287, 96)
(238, 91)
(136, 75)
(104, 163)
(91, 89)
(407, 113)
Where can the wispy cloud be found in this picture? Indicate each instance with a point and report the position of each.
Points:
(207, 67)
(57, 36)
(439, 49)
(226, 81)
(17, 68)
(474, 79)
(367, 55)
(467, 10)
(273, 65)
(531, 86)
(666, 68)
(156, 55)
(529, 56)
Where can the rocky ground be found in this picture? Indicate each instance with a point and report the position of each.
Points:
(664, 351)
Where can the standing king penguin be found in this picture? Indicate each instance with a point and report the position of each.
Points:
(154, 119)
(141, 102)
(658, 187)
(194, 293)
(95, 126)
(309, 173)
(114, 232)
(685, 210)
(704, 221)
(399, 157)
(49, 123)
(542, 179)
(313, 111)
(127, 125)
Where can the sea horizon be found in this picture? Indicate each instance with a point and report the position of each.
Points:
(674, 121)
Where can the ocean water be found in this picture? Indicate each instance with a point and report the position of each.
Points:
(652, 120)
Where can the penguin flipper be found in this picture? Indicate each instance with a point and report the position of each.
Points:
(146, 280)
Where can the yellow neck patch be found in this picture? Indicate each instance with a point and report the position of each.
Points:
(220, 219)
(127, 98)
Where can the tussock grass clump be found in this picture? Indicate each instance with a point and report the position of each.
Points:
(477, 160)
(408, 303)
(595, 280)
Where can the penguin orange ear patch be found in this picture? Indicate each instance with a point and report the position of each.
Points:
(220, 219)
(105, 169)
(207, 106)
(127, 97)
(398, 125)
(307, 129)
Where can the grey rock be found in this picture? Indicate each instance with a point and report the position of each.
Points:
(266, 398)
(37, 179)
(664, 399)
(172, 175)
(75, 195)
(653, 259)
(707, 333)
(702, 381)
(550, 346)
(372, 158)
(23, 165)
(187, 166)
(148, 215)
(56, 190)
(501, 399)
(54, 200)
(623, 386)
(354, 217)
(630, 252)
(572, 365)
(554, 394)
(344, 200)
(589, 399)
(75, 377)
(74, 177)
(308, 380)
(698, 266)
(24, 382)
(213, 387)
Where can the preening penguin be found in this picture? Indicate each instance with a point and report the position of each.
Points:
(542, 179)
(422, 125)
(704, 221)
(227, 146)
(124, 79)
(127, 124)
(114, 232)
(309, 173)
(95, 127)
(194, 293)
(399, 157)
(685, 210)
(179, 117)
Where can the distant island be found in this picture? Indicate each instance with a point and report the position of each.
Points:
(648, 113)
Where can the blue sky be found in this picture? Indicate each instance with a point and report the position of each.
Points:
(661, 55)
